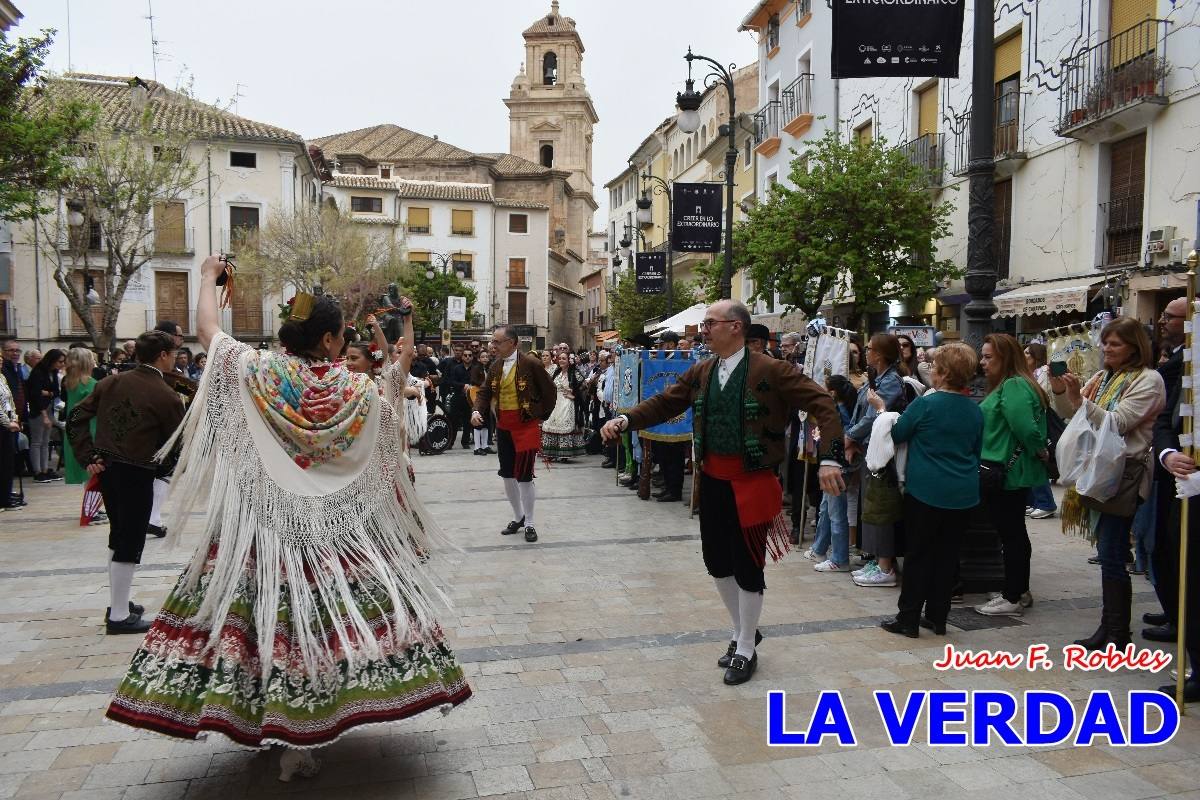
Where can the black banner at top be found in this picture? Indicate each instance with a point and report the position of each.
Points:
(897, 38)
(696, 226)
(650, 273)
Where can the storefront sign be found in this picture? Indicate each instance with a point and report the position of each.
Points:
(1043, 300)
(650, 273)
(921, 335)
(897, 38)
(696, 224)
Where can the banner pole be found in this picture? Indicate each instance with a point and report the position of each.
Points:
(1186, 393)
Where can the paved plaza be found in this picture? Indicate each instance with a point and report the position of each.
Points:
(592, 656)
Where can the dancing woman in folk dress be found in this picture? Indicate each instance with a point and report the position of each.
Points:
(562, 437)
(306, 610)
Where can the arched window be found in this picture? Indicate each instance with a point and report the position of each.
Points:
(703, 138)
(549, 69)
(547, 155)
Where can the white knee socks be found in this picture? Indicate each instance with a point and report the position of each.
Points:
(728, 589)
(514, 497)
(120, 584)
(749, 610)
(160, 496)
(480, 435)
(528, 495)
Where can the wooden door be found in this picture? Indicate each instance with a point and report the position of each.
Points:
(1003, 231)
(79, 281)
(169, 234)
(927, 111)
(171, 298)
(248, 306)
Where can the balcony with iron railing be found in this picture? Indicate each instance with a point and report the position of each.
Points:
(766, 129)
(249, 323)
(238, 239)
(1117, 85)
(1121, 221)
(926, 152)
(796, 105)
(1008, 137)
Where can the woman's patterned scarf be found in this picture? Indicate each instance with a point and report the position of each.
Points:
(315, 411)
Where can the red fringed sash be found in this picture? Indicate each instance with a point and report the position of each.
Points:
(526, 436)
(759, 500)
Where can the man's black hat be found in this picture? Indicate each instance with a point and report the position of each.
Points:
(669, 336)
(758, 331)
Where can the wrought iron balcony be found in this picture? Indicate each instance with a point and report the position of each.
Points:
(1117, 84)
(1008, 137)
(766, 122)
(926, 152)
(796, 104)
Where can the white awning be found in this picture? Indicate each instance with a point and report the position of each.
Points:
(1050, 297)
(679, 323)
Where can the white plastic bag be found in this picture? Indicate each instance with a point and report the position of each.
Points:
(1074, 448)
(1101, 479)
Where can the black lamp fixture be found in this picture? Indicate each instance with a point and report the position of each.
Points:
(644, 215)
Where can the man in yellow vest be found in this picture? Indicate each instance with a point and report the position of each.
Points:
(523, 396)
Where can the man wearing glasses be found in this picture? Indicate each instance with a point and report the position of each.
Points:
(741, 403)
(524, 397)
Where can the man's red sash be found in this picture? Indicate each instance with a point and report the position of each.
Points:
(759, 500)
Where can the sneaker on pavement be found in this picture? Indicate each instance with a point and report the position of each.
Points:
(872, 566)
(828, 566)
(811, 555)
(876, 578)
(1026, 598)
(1029, 511)
(999, 607)
(1042, 513)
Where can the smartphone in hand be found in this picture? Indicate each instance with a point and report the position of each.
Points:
(1058, 368)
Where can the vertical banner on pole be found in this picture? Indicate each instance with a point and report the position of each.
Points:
(658, 373)
(696, 226)
(650, 273)
(896, 39)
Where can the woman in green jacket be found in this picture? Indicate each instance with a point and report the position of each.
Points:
(1014, 434)
(77, 385)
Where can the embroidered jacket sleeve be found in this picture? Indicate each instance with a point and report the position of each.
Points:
(669, 403)
(483, 400)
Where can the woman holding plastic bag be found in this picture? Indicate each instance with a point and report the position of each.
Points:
(1122, 401)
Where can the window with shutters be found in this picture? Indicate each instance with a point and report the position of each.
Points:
(516, 272)
(170, 235)
(418, 257)
(1003, 233)
(516, 308)
(772, 34)
(463, 262)
(80, 281)
(418, 220)
(864, 134)
(370, 205)
(518, 223)
(927, 110)
(1126, 192)
(462, 222)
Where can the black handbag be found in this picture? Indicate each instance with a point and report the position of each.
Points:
(992, 474)
(1054, 431)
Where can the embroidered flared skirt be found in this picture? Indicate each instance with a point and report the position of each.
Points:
(176, 686)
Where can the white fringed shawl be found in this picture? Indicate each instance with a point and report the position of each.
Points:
(365, 523)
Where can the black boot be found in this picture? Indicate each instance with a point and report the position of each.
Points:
(1099, 639)
(1118, 601)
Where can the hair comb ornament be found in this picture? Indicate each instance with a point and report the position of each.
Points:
(301, 306)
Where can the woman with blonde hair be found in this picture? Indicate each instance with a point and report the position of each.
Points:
(1132, 391)
(77, 385)
(1014, 439)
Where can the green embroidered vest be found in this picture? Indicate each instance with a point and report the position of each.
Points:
(722, 412)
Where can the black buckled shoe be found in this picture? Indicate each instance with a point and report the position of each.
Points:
(723, 661)
(134, 608)
(669, 497)
(894, 625)
(513, 527)
(741, 669)
(1155, 618)
(1191, 690)
(157, 531)
(937, 627)
(1161, 633)
(131, 624)
(530, 533)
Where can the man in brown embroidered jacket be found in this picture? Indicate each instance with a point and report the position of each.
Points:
(741, 402)
(524, 397)
(135, 412)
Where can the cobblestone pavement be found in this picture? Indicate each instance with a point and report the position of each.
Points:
(591, 654)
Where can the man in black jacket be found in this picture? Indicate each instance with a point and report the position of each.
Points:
(1173, 463)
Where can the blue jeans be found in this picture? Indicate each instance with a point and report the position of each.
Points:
(1143, 532)
(833, 529)
(1042, 498)
(1112, 546)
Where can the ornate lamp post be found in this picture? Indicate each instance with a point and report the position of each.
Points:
(688, 120)
(981, 223)
(645, 216)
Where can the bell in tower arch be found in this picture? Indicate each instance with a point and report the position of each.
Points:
(549, 69)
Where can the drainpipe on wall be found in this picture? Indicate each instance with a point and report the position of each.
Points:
(491, 311)
(208, 165)
(37, 284)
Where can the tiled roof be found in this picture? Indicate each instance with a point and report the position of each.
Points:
(362, 182)
(551, 23)
(389, 144)
(169, 110)
(417, 190)
(521, 204)
(509, 165)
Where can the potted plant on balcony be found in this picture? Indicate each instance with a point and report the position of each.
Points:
(1141, 77)
(1098, 97)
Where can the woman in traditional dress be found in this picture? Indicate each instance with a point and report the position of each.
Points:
(77, 384)
(305, 611)
(562, 438)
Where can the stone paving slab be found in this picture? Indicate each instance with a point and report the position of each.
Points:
(591, 655)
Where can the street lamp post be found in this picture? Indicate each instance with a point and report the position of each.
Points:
(981, 224)
(444, 262)
(645, 216)
(688, 120)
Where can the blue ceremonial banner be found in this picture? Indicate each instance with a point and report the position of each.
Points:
(628, 382)
(659, 372)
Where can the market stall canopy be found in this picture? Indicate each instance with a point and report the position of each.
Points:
(1051, 297)
(679, 323)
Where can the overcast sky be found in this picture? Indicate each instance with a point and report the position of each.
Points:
(434, 67)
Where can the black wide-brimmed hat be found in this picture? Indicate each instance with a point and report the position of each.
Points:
(669, 336)
(642, 340)
(758, 331)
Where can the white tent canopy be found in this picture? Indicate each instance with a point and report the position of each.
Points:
(679, 323)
